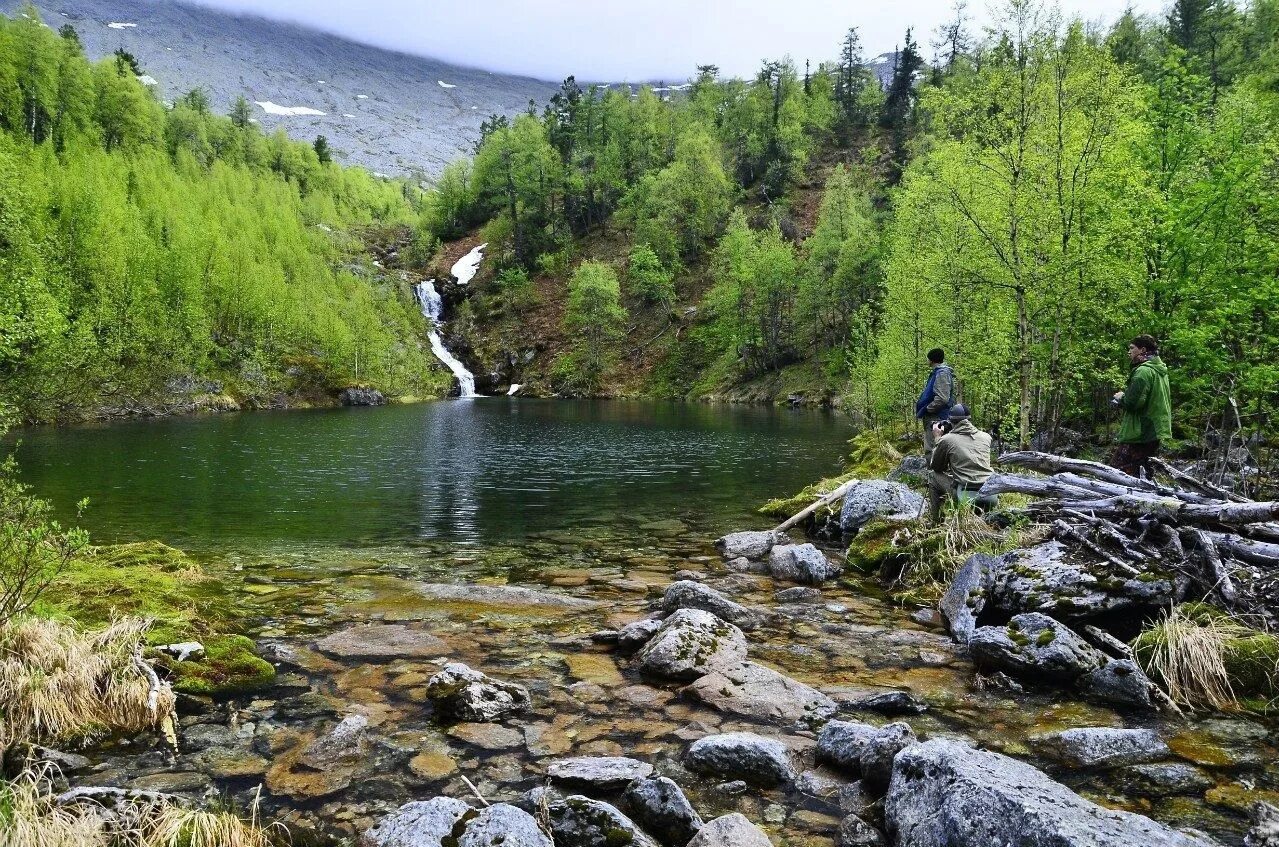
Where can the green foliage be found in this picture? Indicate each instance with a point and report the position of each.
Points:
(595, 319)
(647, 279)
(139, 245)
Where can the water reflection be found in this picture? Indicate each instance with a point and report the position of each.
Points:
(483, 471)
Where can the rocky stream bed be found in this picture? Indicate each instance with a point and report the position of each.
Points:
(779, 702)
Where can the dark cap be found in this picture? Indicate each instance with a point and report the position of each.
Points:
(959, 412)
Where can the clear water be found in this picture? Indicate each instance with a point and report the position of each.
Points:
(473, 473)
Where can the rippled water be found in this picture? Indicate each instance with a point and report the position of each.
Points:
(467, 473)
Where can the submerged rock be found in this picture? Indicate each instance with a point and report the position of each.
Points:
(890, 703)
(502, 595)
(659, 805)
(878, 498)
(382, 641)
(730, 831)
(742, 755)
(855, 832)
(687, 594)
(945, 794)
(1166, 778)
(1105, 747)
(463, 693)
(599, 772)
(422, 823)
(692, 643)
(761, 693)
(801, 563)
(748, 545)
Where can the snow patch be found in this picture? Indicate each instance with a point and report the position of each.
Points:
(347, 115)
(147, 79)
(288, 111)
(514, 389)
(320, 81)
(361, 97)
(379, 175)
(444, 84)
(466, 267)
(119, 25)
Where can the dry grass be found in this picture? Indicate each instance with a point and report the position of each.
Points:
(30, 816)
(1188, 655)
(58, 683)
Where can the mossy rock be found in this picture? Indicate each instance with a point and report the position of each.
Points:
(873, 547)
(871, 456)
(230, 665)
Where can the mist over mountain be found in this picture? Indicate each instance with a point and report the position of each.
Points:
(392, 113)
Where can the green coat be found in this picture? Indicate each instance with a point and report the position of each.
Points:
(1147, 405)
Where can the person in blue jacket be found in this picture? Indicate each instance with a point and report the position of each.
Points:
(937, 398)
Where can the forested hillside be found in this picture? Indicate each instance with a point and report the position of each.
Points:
(1028, 200)
(152, 254)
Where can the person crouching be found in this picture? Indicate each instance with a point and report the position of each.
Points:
(960, 463)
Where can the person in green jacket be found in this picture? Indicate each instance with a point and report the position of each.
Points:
(1147, 409)
(959, 464)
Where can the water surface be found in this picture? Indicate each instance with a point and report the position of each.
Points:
(493, 470)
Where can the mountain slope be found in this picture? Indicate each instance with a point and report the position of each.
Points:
(383, 110)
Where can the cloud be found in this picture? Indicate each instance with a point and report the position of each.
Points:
(660, 40)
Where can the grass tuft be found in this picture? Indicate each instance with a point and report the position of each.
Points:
(1187, 653)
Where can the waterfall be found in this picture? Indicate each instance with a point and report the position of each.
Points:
(432, 307)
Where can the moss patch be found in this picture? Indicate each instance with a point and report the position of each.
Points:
(871, 456)
(1251, 657)
(156, 581)
(784, 507)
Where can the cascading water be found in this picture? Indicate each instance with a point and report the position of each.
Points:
(432, 307)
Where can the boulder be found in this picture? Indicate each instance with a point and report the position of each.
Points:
(878, 498)
(422, 823)
(503, 825)
(754, 691)
(742, 755)
(463, 693)
(966, 596)
(1119, 681)
(382, 641)
(855, 832)
(841, 743)
(1105, 747)
(356, 396)
(659, 805)
(730, 831)
(878, 755)
(1044, 579)
(946, 794)
(603, 773)
(692, 643)
(748, 545)
(1035, 646)
(890, 703)
(1265, 826)
(636, 634)
(801, 563)
(579, 821)
(687, 594)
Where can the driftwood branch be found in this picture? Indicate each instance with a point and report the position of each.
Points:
(1216, 570)
(824, 500)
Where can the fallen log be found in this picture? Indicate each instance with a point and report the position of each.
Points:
(1199, 485)
(1218, 576)
(1065, 531)
(1034, 486)
(1051, 464)
(824, 500)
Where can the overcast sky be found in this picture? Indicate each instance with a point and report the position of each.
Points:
(636, 41)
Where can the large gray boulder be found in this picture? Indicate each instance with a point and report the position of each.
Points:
(1037, 647)
(878, 498)
(1044, 579)
(1105, 747)
(754, 691)
(579, 821)
(692, 643)
(636, 634)
(730, 831)
(603, 773)
(687, 594)
(748, 545)
(463, 693)
(946, 794)
(742, 755)
(841, 743)
(966, 596)
(877, 758)
(659, 805)
(422, 823)
(801, 563)
(502, 825)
